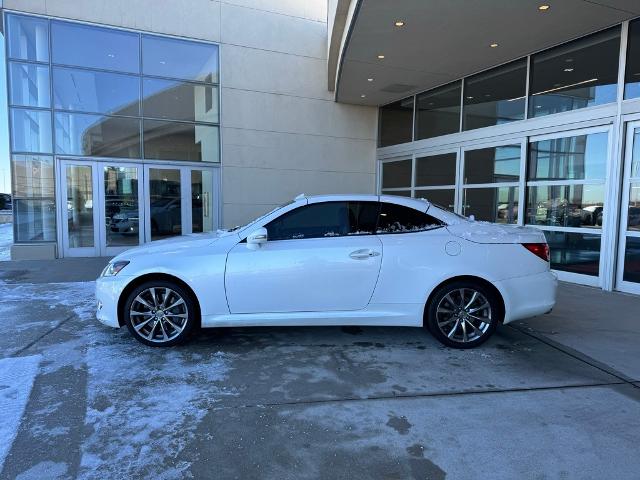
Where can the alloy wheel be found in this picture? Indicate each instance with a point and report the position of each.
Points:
(158, 314)
(463, 315)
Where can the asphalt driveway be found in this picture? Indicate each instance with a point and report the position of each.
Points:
(79, 400)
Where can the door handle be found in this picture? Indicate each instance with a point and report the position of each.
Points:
(363, 253)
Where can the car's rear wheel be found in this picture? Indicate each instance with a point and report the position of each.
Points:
(160, 313)
(463, 314)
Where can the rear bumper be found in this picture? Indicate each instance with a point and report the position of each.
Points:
(528, 296)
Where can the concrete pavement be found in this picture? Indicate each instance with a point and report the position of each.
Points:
(317, 402)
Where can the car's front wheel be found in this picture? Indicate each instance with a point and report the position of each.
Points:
(160, 313)
(463, 314)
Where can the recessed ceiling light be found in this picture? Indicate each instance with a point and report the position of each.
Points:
(493, 45)
(362, 96)
(544, 8)
(369, 79)
(380, 57)
(469, 98)
(568, 69)
(399, 23)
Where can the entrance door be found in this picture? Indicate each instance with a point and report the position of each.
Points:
(628, 272)
(100, 207)
(107, 207)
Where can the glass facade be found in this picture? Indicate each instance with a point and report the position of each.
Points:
(79, 90)
(578, 74)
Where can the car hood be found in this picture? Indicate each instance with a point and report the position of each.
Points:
(485, 232)
(174, 245)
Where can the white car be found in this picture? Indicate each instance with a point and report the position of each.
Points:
(334, 260)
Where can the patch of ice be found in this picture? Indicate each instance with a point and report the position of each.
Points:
(6, 239)
(16, 380)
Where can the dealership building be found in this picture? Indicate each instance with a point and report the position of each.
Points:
(137, 120)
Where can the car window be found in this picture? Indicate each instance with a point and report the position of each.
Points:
(400, 219)
(327, 219)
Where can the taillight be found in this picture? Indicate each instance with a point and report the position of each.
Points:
(539, 249)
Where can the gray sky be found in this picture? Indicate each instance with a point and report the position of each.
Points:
(5, 177)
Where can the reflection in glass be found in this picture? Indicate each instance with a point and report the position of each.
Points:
(121, 206)
(35, 219)
(95, 47)
(96, 92)
(436, 170)
(438, 111)
(574, 252)
(165, 203)
(635, 161)
(632, 69)
(579, 74)
(396, 174)
(398, 193)
(566, 205)
(498, 205)
(569, 158)
(201, 201)
(492, 165)
(80, 206)
(30, 130)
(95, 135)
(444, 198)
(29, 85)
(395, 123)
(171, 57)
(33, 176)
(28, 38)
(633, 222)
(632, 260)
(495, 97)
(177, 100)
(180, 141)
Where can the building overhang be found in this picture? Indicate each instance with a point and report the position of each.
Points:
(443, 40)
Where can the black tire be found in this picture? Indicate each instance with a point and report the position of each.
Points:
(184, 315)
(482, 323)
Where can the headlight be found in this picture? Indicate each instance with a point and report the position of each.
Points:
(114, 268)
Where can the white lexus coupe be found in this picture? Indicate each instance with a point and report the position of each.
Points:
(334, 260)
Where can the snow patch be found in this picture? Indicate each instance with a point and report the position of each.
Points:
(16, 380)
(6, 239)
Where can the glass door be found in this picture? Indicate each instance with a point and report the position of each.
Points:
(121, 189)
(80, 223)
(628, 272)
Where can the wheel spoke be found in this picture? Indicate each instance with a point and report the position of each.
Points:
(453, 330)
(153, 329)
(481, 307)
(164, 333)
(180, 301)
(480, 319)
(141, 325)
(141, 300)
(447, 322)
(444, 310)
(465, 338)
(133, 312)
(173, 325)
(476, 330)
(473, 299)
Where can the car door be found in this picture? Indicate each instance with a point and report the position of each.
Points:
(319, 257)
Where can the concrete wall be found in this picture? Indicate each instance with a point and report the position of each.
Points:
(282, 133)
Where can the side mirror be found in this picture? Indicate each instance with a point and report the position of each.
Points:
(257, 238)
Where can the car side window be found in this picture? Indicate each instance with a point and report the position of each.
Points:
(400, 219)
(323, 220)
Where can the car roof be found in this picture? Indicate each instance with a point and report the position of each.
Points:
(416, 203)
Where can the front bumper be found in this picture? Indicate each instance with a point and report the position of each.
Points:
(108, 291)
(528, 296)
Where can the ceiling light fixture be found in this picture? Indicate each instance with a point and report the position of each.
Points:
(362, 96)
(544, 8)
(399, 23)
(560, 87)
(568, 69)
(369, 79)
(493, 45)
(380, 57)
